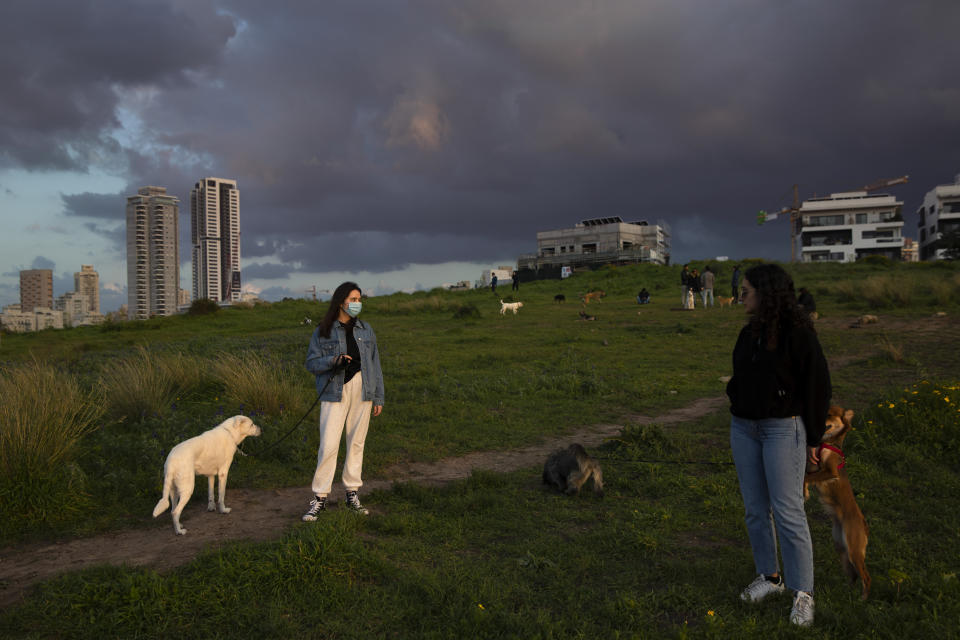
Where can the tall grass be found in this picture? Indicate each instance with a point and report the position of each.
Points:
(886, 291)
(147, 383)
(257, 383)
(44, 414)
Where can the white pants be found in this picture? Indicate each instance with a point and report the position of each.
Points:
(354, 414)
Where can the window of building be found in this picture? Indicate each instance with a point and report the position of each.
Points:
(548, 251)
(951, 207)
(590, 247)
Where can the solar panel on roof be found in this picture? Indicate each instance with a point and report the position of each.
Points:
(593, 222)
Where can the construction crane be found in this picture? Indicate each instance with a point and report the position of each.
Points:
(880, 184)
(313, 290)
(793, 211)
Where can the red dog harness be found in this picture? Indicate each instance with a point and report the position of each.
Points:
(843, 459)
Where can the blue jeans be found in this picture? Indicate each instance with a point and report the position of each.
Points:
(770, 456)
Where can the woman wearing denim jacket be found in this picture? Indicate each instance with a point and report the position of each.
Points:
(779, 395)
(343, 356)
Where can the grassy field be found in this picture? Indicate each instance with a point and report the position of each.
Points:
(664, 554)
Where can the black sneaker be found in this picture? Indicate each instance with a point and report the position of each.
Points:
(353, 503)
(317, 505)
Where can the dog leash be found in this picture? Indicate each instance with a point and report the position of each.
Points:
(642, 461)
(342, 363)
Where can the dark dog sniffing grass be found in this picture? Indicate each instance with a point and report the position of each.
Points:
(569, 469)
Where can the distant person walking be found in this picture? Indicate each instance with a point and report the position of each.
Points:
(779, 394)
(493, 281)
(735, 284)
(516, 281)
(706, 286)
(685, 286)
(343, 356)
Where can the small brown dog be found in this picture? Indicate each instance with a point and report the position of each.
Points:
(724, 302)
(593, 295)
(849, 527)
(569, 469)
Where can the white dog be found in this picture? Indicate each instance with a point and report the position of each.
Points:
(510, 306)
(208, 454)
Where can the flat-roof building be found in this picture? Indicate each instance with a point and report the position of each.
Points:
(599, 241)
(845, 227)
(939, 219)
(215, 236)
(36, 289)
(153, 253)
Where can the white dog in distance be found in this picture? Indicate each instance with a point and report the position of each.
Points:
(510, 306)
(208, 454)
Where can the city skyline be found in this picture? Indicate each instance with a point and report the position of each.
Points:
(406, 145)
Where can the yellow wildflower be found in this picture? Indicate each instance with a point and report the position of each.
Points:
(710, 613)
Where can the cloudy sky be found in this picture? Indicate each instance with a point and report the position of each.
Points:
(407, 144)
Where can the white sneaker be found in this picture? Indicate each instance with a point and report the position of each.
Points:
(802, 612)
(760, 588)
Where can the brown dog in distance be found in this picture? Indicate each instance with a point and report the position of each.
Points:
(849, 527)
(569, 469)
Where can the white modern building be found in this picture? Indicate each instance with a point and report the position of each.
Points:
(153, 253)
(845, 227)
(939, 217)
(215, 236)
(599, 241)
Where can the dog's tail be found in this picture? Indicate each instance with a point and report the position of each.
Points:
(165, 499)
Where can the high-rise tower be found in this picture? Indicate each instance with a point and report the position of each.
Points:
(86, 282)
(36, 289)
(215, 236)
(153, 255)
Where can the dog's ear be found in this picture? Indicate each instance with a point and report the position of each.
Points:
(848, 417)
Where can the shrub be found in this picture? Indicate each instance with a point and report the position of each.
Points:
(466, 311)
(877, 261)
(43, 416)
(146, 383)
(257, 383)
(886, 291)
(202, 307)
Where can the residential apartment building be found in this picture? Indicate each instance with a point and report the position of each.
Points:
(15, 319)
(87, 283)
(153, 254)
(939, 218)
(215, 236)
(845, 227)
(599, 241)
(36, 289)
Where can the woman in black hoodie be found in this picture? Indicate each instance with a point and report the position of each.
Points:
(779, 395)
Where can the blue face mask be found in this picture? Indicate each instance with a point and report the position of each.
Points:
(353, 309)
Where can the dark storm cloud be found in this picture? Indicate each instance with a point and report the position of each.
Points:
(375, 135)
(267, 271)
(94, 205)
(65, 64)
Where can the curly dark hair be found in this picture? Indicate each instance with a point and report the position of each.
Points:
(777, 307)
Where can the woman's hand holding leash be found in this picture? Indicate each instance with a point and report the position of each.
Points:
(342, 361)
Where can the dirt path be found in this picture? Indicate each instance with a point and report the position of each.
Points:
(266, 514)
